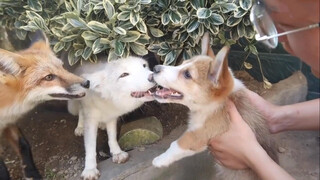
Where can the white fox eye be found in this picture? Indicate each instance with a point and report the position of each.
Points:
(124, 75)
(144, 65)
(49, 77)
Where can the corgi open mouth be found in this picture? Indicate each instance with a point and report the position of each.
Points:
(68, 96)
(140, 94)
(167, 93)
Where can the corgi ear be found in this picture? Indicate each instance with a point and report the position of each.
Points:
(39, 41)
(219, 66)
(205, 46)
(8, 63)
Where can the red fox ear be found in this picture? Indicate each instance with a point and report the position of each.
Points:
(39, 40)
(219, 66)
(8, 63)
(205, 46)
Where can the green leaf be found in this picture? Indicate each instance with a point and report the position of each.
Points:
(78, 53)
(165, 19)
(141, 26)
(156, 32)
(79, 6)
(216, 19)
(88, 35)
(131, 36)
(163, 52)
(249, 32)
(196, 4)
(35, 5)
(227, 7)
(175, 17)
(99, 27)
(112, 55)
(120, 30)
(170, 57)
(72, 58)
(240, 13)
(154, 48)
(241, 29)
(69, 38)
(134, 17)
(245, 4)
(232, 21)
(58, 47)
(138, 49)
(124, 16)
(145, 1)
(108, 8)
(234, 34)
(193, 25)
(119, 48)
(144, 39)
(86, 53)
(97, 47)
(203, 13)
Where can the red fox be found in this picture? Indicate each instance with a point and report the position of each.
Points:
(28, 78)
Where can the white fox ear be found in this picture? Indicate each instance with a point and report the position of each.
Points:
(8, 63)
(219, 65)
(205, 46)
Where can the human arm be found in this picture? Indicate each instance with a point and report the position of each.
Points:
(300, 116)
(238, 148)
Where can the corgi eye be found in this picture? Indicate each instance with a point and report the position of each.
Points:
(144, 65)
(124, 75)
(187, 74)
(49, 77)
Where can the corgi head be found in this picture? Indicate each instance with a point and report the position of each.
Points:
(201, 80)
(123, 79)
(36, 74)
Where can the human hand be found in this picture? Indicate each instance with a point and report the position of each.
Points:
(269, 111)
(232, 149)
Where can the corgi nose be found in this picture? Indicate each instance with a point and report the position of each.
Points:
(157, 69)
(86, 84)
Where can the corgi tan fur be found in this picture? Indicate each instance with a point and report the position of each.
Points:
(203, 84)
(32, 76)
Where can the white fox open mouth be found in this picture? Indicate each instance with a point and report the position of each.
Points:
(68, 96)
(140, 94)
(167, 93)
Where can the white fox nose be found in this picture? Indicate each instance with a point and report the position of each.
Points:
(86, 84)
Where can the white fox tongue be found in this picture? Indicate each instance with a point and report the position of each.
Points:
(166, 93)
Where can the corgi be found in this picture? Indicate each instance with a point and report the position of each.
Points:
(117, 88)
(203, 84)
(28, 78)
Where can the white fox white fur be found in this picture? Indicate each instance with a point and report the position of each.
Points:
(117, 88)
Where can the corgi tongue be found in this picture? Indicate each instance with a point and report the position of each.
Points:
(168, 93)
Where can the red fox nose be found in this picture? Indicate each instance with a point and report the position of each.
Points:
(86, 84)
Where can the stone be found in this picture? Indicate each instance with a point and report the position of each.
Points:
(140, 132)
(292, 90)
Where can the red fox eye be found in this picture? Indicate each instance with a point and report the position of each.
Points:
(187, 74)
(124, 75)
(49, 77)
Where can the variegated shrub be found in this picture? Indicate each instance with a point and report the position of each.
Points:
(169, 28)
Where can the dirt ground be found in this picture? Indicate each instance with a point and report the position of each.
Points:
(59, 154)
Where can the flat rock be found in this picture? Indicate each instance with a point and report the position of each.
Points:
(140, 132)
